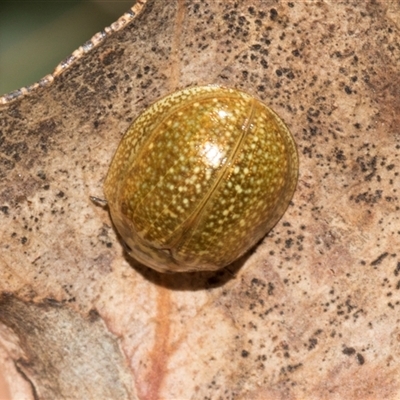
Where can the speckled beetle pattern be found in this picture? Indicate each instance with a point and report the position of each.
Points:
(199, 177)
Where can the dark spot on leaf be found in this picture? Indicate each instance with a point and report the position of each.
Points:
(360, 359)
(273, 14)
(378, 260)
(348, 351)
(348, 90)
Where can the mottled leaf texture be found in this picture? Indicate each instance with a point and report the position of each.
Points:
(310, 313)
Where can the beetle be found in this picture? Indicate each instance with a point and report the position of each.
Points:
(200, 177)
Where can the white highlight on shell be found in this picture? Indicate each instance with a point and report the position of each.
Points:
(213, 154)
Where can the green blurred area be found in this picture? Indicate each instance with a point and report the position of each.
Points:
(35, 36)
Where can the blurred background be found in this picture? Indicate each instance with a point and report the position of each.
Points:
(36, 35)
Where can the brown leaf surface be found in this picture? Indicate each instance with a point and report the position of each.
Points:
(311, 313)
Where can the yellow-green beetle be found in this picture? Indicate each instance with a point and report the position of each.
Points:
(199, 177)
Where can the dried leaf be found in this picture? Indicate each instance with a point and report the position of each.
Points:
(312, 312)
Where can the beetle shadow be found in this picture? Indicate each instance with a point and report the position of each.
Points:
(189, 281)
